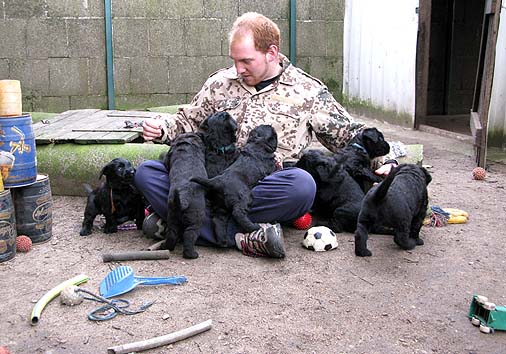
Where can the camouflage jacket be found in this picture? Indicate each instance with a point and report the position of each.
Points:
(297, 106)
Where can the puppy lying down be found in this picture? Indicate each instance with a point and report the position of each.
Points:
(338, 196)
(116, 198)
(399, 202)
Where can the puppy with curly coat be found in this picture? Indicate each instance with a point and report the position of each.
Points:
(399, 202)
(186, 201)
(230, 192)
(357, 155)
(338, 196)
(219, 135)
(116, 198)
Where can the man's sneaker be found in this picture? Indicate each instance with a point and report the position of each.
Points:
(154, 227)
(264, 242)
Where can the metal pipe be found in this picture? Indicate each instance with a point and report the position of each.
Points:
(109, 57)
(293, 31)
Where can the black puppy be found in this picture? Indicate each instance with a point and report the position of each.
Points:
(186, 201)
(338, 196)
(219, 134)
(116, 198)
(231, 191)
(399, 202)
(357, 155)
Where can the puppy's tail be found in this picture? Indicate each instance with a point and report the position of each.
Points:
(204, 182)
(382, 188)
(87, 188)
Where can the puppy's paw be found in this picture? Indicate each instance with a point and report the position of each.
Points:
(110, 229)
(85, 231)
(405, 244)
(363, 253)
(170, 243)
(419, 241)
(190, 254)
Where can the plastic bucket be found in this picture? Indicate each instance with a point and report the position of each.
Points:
(7, 227)
(10, 98)
(17, 137)
(33, 207)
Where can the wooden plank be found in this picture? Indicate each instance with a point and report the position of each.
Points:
(60, 129)
(105, 127)
(39, 126)
(93, 126)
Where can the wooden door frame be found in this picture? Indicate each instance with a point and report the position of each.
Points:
(483, 85)
(484, 79)
(422, 62)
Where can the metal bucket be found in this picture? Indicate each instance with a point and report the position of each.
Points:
(7, 227)
(18, 139)
(33, 207)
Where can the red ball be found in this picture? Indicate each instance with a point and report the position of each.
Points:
(303, 222)
(479, 173)
(23, 243)
(4, 350)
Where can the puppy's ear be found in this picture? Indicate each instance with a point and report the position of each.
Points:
(232, 122)
(372, 134)
(428, 177)
(205, 124)
(323, 172)
(108, 169)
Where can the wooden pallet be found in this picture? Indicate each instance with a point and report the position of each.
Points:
(92, 126)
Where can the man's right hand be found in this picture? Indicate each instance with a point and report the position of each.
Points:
(152, 128)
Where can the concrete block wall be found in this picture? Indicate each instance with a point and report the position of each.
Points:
(163, 50)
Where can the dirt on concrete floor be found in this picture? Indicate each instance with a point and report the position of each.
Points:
(311, 302)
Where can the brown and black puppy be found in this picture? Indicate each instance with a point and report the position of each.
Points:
(357, 155)
(219, 134)
(186, 201)
(338, 196)
(116, 198)
(399, 202)
(230, 192)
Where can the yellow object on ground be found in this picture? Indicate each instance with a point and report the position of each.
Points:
(457, 219)
(456, 212)
(51, 294)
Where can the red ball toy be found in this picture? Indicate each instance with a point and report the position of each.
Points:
(479, 173)
(4, 350)
(23, 243)
(303, 222)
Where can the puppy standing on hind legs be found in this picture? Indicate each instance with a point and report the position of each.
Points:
(399, 202)
(186, 201)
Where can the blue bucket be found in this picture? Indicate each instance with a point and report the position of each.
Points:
(17, 138)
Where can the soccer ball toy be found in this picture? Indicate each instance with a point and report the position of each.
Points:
(320, 238)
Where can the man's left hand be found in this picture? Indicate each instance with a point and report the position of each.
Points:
(385, 169)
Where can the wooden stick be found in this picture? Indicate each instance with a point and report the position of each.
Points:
(162, 340)
(135, 255)
(156, 246)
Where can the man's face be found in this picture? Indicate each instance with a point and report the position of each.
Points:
(250, 64)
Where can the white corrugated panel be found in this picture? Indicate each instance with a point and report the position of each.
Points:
(380, 53)
(497, 112)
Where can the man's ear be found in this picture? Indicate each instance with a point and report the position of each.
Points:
(272, 53)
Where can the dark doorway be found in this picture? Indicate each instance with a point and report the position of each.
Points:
(454, 50)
